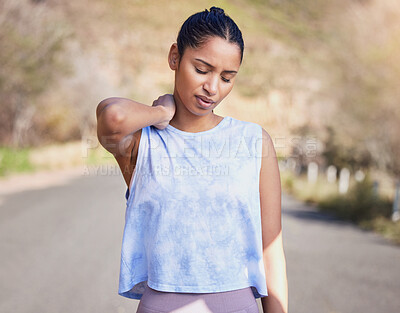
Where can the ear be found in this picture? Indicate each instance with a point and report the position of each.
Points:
(173, 57)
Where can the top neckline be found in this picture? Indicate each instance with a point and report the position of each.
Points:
(211, 130)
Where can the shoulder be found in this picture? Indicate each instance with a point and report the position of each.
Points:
(269, 159)
(268, 149)
(266, 136)
(246, 126)
(256, 130)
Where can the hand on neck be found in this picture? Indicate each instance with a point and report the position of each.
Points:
(186, 120)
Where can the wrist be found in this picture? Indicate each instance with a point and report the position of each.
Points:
(160, 114)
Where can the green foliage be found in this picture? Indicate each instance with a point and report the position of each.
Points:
(287, 181)
(14, 160)
(99, 156)
(358, 204)
(384, 226)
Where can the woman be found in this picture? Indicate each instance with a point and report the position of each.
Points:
(203, 219)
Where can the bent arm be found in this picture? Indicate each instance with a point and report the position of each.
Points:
(273, 253)
(119, 118)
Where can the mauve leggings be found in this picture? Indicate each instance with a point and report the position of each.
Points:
(235, 301)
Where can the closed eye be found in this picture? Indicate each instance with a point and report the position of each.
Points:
(200, 72)
(223, 78)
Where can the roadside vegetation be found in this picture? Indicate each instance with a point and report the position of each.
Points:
(50, 157)
(360, 205)
(14, 161)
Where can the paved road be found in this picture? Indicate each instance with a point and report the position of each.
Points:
(60, 250)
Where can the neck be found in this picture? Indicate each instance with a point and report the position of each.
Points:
(187, 121)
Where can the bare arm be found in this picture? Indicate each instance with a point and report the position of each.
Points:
(119, 118)
(273, 253)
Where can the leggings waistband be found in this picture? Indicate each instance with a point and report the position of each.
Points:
(234, 301)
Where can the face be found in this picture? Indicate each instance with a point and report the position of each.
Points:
(204, 76)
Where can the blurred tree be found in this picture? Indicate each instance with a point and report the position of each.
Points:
(29, 64)
(349, 48)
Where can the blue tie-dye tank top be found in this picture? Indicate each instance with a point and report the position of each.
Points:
(193, 220)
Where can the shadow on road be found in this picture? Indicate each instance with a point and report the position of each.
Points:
(313, 214)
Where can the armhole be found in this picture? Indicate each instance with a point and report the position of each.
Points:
(138, 161)
(259, 150)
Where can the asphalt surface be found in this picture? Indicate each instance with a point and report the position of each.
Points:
(60, 252)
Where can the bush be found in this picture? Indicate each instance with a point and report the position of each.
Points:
(359, 204)
(287, 181)
(384, 226)
(14, 160)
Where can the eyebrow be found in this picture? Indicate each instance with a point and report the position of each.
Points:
(208, 64)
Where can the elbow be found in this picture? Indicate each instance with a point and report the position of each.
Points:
(110, 120)
(101, 106)
(104, 105)
(110, 112)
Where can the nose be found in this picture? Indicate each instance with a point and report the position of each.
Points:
(211, 85)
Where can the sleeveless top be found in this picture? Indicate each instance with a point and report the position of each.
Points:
(193, 220)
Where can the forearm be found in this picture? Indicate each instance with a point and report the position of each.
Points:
(276, 278)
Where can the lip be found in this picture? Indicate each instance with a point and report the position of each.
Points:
(203, 104)
(205, 99)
